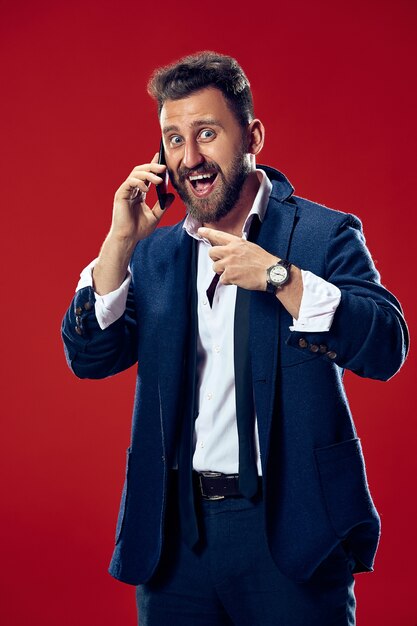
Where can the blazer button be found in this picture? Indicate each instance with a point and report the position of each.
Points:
(78, 330)
(303, 343)
(87, 306)
(332, 355)
(323, 348)
(314, 347)
(78, 310)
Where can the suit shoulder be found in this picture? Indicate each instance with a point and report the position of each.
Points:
(310, 214)
(316, 215)
(316, 228)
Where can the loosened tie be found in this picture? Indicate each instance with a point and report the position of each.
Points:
(212, 288)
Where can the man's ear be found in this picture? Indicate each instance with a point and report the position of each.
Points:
(255, 136)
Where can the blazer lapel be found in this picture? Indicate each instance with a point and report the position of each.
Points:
(274, 236)
(178, 288)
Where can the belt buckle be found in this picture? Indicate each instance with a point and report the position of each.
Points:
(209, 475)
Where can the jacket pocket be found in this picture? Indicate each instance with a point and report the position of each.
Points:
(123, 502)
(291, 356)
(344, 485)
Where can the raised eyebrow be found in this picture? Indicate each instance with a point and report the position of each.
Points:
(209, 121)
(168, 129)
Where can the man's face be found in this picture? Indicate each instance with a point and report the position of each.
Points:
(205, 153)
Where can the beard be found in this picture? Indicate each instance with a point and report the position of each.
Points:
(222, 199)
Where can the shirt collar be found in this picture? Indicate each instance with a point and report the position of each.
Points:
(191, 225)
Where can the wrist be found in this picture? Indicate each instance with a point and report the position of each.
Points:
(278, 275)
(112, 263)
(122, 245)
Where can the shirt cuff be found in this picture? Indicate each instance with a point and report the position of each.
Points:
(111, 306)
(318, 304)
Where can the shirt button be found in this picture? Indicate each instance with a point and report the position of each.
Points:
(201, 444)
(209, 396)
(205, 302)
(217, 349)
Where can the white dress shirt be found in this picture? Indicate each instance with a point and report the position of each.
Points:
(215, 434)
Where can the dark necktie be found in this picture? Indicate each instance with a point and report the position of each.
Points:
(212, 288)
(245, 407)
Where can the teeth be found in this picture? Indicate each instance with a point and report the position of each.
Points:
(200, 176)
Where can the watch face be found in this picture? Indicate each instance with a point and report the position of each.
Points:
(278, 274)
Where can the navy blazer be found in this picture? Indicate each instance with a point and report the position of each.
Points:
(316, 492)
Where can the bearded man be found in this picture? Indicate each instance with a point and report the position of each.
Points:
(245, 500)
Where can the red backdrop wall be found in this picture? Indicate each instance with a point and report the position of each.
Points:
(335, 86)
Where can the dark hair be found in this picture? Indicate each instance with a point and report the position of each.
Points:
(200, 70)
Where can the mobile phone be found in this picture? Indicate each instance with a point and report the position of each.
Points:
(161, 189)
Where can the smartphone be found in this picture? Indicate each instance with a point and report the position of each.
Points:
(161, 189)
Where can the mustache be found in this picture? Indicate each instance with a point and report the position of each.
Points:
(203, 168)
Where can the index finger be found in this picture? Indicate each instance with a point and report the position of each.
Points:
(216, 237)
(155, 161)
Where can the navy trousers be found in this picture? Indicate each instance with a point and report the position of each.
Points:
(231, 578)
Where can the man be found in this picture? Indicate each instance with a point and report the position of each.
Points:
(245, 500)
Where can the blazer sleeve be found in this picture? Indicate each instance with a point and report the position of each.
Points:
(92, 352)
(368, 335)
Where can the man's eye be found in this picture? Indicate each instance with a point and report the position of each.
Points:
(207, 134)
(175, 140)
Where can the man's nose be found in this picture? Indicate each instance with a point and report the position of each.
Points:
(192, 156)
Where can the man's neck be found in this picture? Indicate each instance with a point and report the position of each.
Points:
(233, 222)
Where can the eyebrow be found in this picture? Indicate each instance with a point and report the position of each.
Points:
(207, 121)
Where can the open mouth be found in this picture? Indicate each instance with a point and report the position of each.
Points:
(202, 184)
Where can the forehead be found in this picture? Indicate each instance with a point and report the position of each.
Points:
(206, 104)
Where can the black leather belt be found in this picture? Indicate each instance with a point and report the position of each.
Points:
(217, 486)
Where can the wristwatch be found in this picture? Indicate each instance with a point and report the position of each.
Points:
(277, 275)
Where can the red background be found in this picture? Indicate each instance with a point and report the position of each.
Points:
(334, 83)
